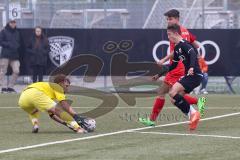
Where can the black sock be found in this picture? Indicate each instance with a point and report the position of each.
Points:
(181, 103)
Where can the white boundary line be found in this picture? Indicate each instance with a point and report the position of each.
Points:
(184, 134)
(220, 108)
(108, 134)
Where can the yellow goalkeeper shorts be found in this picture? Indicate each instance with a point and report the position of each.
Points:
(32, 99)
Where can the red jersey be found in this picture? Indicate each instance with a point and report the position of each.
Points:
(179, 70)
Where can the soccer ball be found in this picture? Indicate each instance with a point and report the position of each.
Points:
(90, 124)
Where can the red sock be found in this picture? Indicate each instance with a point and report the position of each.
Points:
(190, 99)
(157, 107)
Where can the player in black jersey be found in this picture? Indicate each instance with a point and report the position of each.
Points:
(185, 52)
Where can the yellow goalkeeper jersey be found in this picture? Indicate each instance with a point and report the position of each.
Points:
(52, 90)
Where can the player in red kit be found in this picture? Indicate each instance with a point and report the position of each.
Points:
(173, 76)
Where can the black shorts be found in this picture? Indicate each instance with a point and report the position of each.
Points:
(189, 82)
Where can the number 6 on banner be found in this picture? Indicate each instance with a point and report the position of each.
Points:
(14, 10)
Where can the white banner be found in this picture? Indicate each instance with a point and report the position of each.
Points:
(15, 10)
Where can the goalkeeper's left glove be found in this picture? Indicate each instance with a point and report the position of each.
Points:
(81, 121)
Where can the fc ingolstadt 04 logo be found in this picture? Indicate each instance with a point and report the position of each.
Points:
(61, 48)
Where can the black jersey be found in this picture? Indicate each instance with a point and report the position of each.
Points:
(185, 52)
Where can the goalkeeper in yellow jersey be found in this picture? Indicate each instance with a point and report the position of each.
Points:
(50, 97)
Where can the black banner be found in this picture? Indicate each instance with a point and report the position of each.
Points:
(96, 50)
